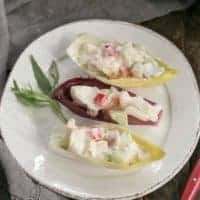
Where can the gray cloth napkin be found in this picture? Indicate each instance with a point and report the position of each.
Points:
(21, 21)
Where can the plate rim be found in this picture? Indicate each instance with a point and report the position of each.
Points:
(164, 180)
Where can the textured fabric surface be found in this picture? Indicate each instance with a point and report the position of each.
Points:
(4, 41)
(21, 21)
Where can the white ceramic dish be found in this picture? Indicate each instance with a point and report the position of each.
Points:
(26, 131)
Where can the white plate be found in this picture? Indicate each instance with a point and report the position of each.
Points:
(26, 131)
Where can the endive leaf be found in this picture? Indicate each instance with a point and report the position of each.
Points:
(42, 80)
(129, 82)
(153, 151)
(168, 74)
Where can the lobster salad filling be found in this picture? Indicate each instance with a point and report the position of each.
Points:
(103, 144)
(95, 100)
(114, 59)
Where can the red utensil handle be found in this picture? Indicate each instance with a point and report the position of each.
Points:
(193, 184)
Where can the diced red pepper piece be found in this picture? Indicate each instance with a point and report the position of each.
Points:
(100, 99)
(95, 134)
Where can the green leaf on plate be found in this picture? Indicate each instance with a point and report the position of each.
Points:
(53, 73)
(42, 80)
(62, 58)
(57, 110)
(33, 98)
(27, 96)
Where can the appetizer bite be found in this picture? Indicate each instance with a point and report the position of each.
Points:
(107, 145)
(96, 100)
(123, 64)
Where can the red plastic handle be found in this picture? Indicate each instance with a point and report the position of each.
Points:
(193, 184)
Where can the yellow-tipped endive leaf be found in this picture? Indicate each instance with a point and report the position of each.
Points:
(74, 51)
(168, 74)
(153, 152)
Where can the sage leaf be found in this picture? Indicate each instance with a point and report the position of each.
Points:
(42, 80)
(53, 73)
(62, 58)
(57, 110)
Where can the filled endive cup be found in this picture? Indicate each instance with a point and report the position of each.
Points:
(107, 145)
(122, 64)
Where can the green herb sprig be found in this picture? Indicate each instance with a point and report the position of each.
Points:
(42, 98)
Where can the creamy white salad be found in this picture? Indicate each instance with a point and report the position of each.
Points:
(95, 100)
(113, 59)
(102, 144)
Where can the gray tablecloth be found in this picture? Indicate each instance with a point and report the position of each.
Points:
(21, 21)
